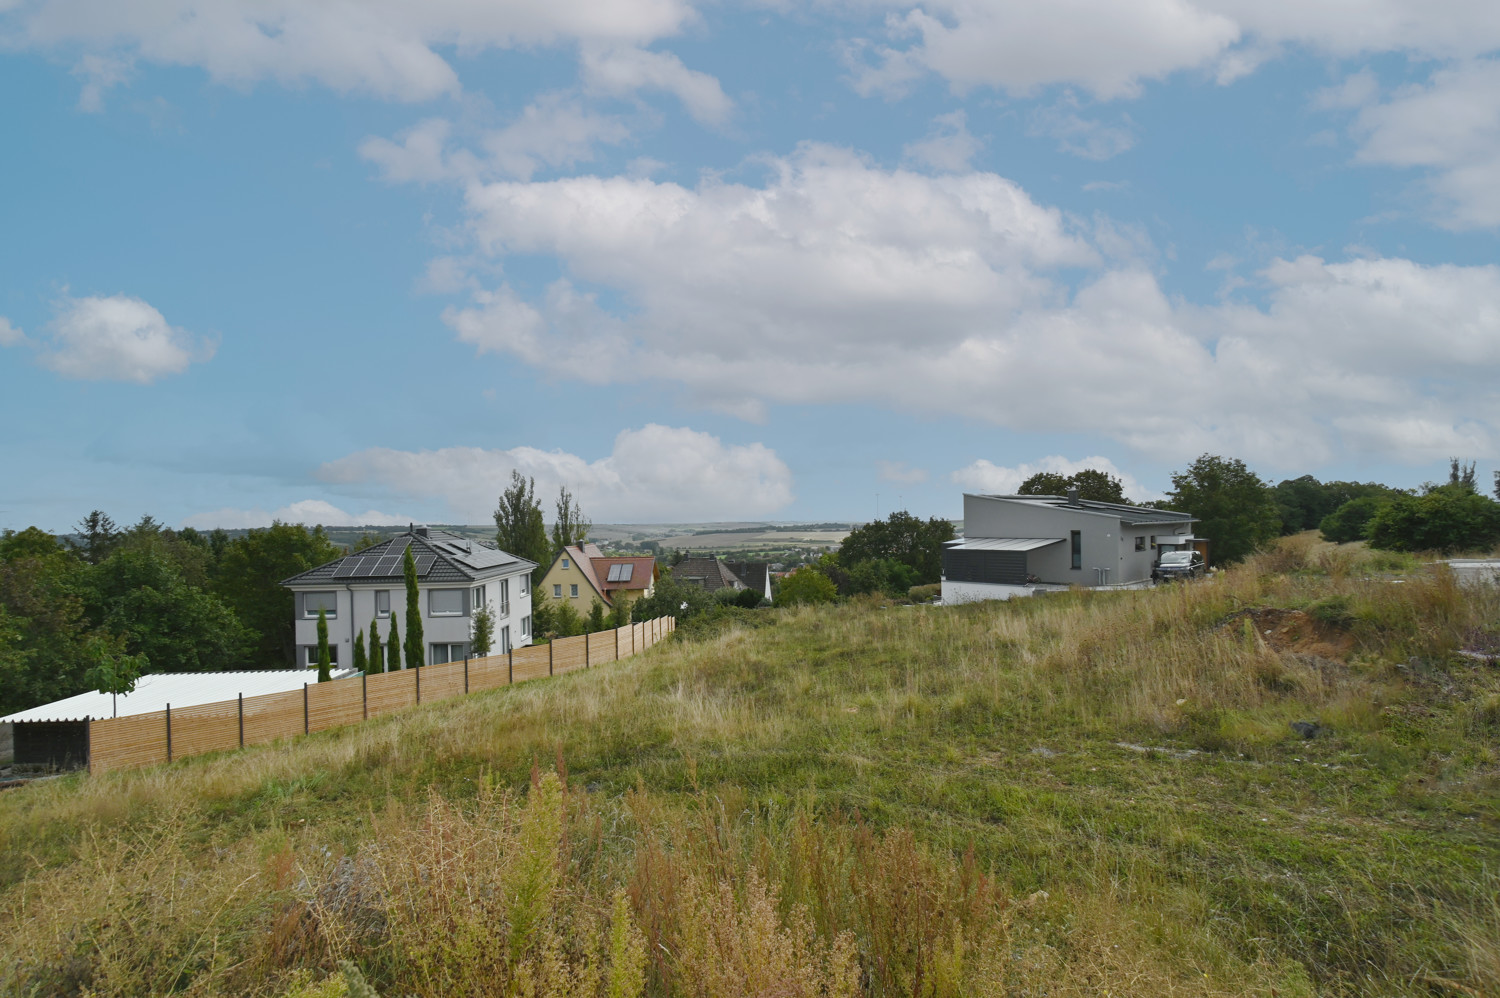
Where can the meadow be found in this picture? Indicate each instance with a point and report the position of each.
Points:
(1076, 794)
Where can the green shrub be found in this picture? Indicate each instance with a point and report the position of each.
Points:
(1446, 519)
(1350, 521)
(923, 594)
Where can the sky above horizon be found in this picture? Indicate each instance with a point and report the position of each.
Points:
(355, 262)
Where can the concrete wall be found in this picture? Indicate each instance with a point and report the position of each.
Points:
(976, 592)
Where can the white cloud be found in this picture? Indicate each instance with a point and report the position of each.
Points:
(1088, 138)
(99, 73)
(312, 512)
(1449, 126)
(10, 335)
(387, 48)
(654, 474)
(835, 281)
(948, 146)
(1110, 49)
(555, 130)
(622, 70)
(118, 338)
(986, 477)
(896, 471)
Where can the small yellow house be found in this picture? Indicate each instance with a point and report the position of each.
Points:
(582, 573)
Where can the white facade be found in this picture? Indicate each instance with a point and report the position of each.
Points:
(447, 615)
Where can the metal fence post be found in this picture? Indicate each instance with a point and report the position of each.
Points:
(364, 695)
(510, 667)
(466, 675)
(169, 732)
(419, 682)
(88, 744)
(304, 709)
(585, 649)
(242, 719)
(617, 644)
(550, 645)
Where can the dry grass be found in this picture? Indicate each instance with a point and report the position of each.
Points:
(1077, 794)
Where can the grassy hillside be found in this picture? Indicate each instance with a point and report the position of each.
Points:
(1076, 794)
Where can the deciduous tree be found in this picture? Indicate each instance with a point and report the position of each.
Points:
(571, 526)
(1234, 508)
(248, 579)
(520, 527)
(806, 585)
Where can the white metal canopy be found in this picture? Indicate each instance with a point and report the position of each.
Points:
(180, 689)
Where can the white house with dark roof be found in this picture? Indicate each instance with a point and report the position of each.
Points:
(455, 577)
(1013, 543)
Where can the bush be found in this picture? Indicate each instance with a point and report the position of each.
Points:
(923, 594)
(806, 585)
(1446, 519)
(1350, 521)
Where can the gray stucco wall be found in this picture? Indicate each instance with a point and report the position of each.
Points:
(1107, 544)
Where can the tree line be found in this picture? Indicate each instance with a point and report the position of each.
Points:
(92, 611)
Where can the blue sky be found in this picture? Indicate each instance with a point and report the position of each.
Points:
(733, 261)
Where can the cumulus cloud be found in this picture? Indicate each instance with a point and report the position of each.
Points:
(312, 512)
(948, 146)
(836, 281)
(1110, 49)
(1448, 126)
(653, 474)
(986, 477)
(555, 130)
(118, 338)
(10, 335)
(622, 70)
(387, 48)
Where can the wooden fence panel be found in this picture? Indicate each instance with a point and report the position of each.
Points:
(147, 739)
(440, 682)
(489, 672)
(601, 648)
(567, 654)
(210, 727)
(126, 742)
(334, 703)
(531, 661)
(388, 691)
(272, 716)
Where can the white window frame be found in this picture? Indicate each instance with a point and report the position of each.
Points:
(383, 614)
(479, 594)
(526, 626)
(433, 611)
(505, 597)
(332, 612)
(525, 583)
(557, 590)
(504, 640)
(447, 646)
(573, 590)
(565, 561)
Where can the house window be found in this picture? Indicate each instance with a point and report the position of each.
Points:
(445, 602)
(525, 584)
(573, 590)
(505, 597)
(382, 603)
(557, 591)
(479, 599)
(1078, 549)
(504, 640)
(565, 563)
(438, 654)
(526, 626)
(313, 602)
(312, 656)
(1153, 542)
(1140, 543)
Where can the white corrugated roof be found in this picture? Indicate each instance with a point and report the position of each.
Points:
(1002, 543)
(180, 689)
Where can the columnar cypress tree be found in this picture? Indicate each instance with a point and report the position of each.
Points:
(359, 663)
(377, 652)
(323, 664)
(393, 649)
(414, 656)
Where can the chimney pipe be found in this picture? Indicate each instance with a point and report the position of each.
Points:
(1072, 497)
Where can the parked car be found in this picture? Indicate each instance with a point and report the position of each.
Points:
(1179, 565)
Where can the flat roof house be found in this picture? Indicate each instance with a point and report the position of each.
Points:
(1012, 543)
(455, 576)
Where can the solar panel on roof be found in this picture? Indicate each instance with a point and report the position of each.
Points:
(366, 568)
(346, 568)
(626, 571)
(387, 565)
(425, 563)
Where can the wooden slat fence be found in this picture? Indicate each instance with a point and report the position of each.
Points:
(174, 733)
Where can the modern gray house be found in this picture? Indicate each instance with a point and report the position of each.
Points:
(455, 576)
(1014, 544)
